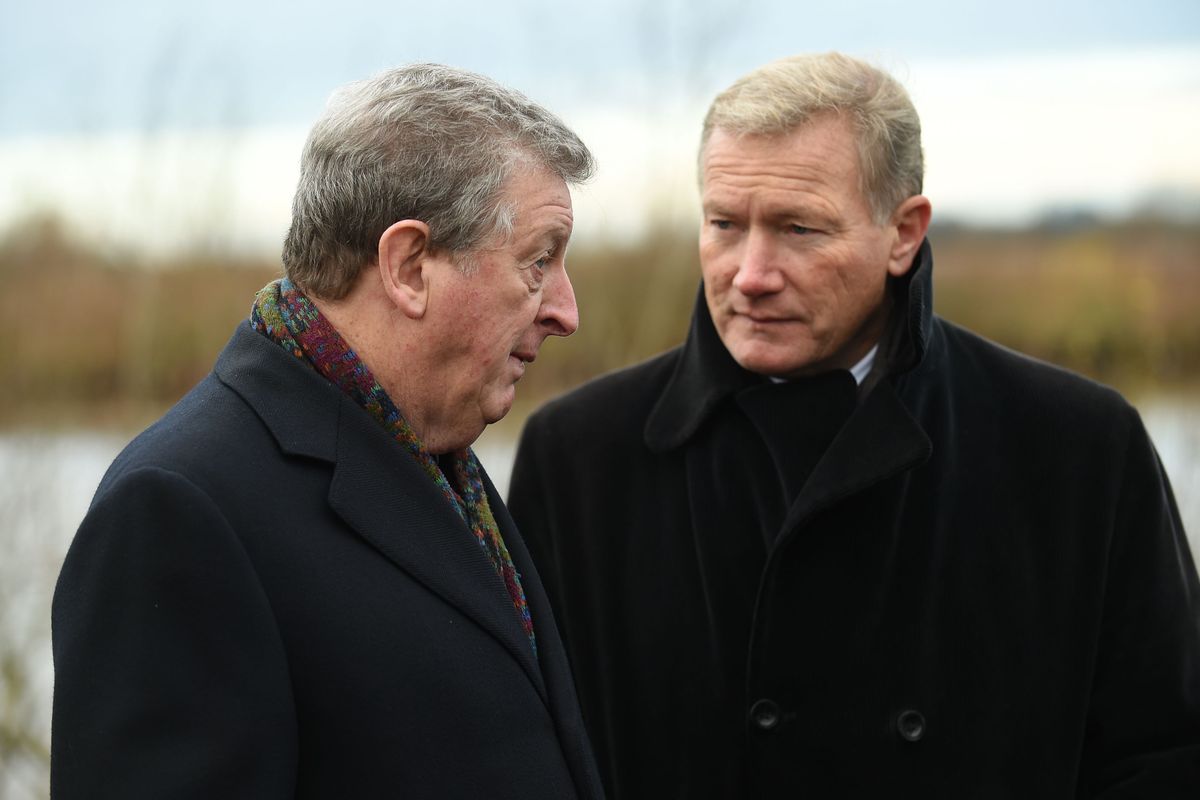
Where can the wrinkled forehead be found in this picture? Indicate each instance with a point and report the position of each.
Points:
(827, 133)
(825, 150)
(534, 202)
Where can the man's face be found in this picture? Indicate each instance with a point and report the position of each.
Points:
(487, 325)
(794, 266)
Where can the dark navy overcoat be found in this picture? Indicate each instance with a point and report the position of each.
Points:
(270, 599)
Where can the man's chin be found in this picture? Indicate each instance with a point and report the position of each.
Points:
(497, 407)
(771, 363)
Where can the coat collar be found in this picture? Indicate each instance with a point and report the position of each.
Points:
(377, 489)
(296, 404)
(911, 331)
(705, 373)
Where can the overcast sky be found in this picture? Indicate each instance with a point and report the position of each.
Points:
(118, 111)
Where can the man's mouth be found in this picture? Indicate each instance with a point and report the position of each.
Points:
(761, 317)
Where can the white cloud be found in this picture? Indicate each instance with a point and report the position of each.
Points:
(158, 192)
(1007, 138)
(1004, 139)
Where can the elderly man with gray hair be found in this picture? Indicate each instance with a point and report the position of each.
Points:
(300, 582)
(835, 546)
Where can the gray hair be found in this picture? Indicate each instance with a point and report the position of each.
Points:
(425, 142)
(778, 98)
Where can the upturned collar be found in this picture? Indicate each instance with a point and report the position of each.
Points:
(705, 373)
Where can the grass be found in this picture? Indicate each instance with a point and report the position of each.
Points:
(96, 338)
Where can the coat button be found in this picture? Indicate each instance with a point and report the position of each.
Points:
(911, 725)
(765, 714)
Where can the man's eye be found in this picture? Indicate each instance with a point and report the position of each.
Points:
(542, 262)
(800, 229)
(722, 224)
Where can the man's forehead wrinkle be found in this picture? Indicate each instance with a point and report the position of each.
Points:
(822, 150)
(793, 197)
(548, 218)
(778, 186)
(816, 167)
(736, 183)
(556, 224)
(551, 233)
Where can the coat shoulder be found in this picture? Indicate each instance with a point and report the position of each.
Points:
(210, 435)
(1040, 397)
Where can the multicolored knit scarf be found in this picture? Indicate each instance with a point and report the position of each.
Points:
(283, 314)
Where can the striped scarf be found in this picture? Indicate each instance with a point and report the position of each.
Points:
(283, 314)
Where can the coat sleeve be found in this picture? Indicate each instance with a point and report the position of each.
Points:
(170, 675)
(1143, 737)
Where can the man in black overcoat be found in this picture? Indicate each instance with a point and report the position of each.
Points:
(835, 546)
(300, 582)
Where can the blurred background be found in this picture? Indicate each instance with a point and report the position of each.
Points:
(148, 152)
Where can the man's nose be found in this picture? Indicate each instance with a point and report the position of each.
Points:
(757, 272)
(559, 314)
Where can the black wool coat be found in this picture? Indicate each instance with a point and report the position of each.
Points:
(270, 599)
(981, 590)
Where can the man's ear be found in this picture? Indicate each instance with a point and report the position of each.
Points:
(404, 250)
(910, 220)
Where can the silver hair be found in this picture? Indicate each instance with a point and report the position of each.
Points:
(778, 98)
(425, 142)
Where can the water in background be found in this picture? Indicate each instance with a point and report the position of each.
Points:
(47, 481)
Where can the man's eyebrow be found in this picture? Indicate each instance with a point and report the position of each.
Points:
(553, 237)
(556, 234)
(785, 211)
(715, 206)
(806, 211)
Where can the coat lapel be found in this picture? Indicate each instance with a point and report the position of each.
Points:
(377, 488)
(381, 492)
(555, 670)
(551, 654)
(881, 439)
(705, 375)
